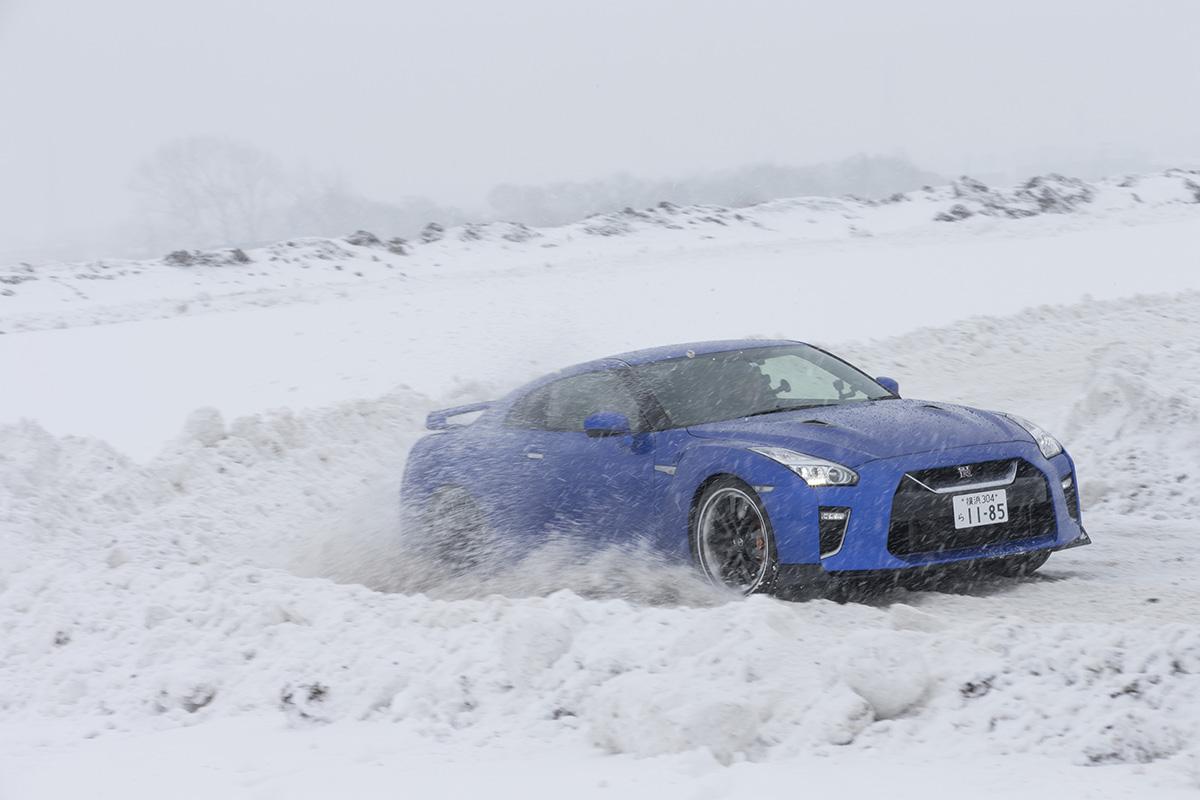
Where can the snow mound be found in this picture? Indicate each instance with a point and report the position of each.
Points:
(1096, 694)
(1133, 418)
(886, 669)
(1044, 194)
(1114, 380)
(142, 597)
(257, 567)
(497, 231)
(664, 215)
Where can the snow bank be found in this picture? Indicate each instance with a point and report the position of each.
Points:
(1115, 380)
(256, 567)
(1139, 416)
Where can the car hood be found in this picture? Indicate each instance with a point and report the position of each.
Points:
(854, 433)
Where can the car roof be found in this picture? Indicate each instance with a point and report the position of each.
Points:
(652, 354)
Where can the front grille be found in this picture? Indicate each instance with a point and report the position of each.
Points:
(922, 521)
(948, 478)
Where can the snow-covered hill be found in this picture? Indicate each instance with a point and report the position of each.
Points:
(33, 297)
(232, 612)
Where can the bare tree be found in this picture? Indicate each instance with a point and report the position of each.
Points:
(207, 191)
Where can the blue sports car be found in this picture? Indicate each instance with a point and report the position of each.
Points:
(766, 463)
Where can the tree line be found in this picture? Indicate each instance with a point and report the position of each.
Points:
(206, 192)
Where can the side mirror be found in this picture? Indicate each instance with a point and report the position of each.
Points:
(606, 423)
(891, 384)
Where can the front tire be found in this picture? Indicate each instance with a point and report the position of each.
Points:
(732, 540)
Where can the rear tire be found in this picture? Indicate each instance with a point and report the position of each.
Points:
(732, 540)
(453, 531)
(1016, 566)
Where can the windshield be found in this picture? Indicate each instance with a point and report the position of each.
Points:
(742, 383)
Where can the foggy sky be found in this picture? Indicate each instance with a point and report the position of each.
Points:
(447, 98)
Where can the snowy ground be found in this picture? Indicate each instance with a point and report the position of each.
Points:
(230, 613)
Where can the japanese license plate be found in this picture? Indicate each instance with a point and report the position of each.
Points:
(980, 508)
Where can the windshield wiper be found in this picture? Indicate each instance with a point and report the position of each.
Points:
(786, 408)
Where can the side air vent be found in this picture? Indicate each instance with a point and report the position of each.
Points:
(832, 523)
(1071, 495)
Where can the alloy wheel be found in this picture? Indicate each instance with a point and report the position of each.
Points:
(732, 540)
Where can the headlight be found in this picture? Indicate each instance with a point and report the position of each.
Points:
(1049, 446)
(814, 471)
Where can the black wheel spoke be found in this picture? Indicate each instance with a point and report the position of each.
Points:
(726, 526)
(734, 559)
(748, 526)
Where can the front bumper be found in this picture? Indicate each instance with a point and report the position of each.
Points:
(794, 509)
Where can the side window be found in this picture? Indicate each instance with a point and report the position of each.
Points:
(530, 410)
(565, 404)
(574, 399)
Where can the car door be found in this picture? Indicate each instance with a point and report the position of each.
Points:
(521, 490)
(607, 487)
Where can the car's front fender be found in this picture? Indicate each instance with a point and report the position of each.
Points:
(789, 502)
